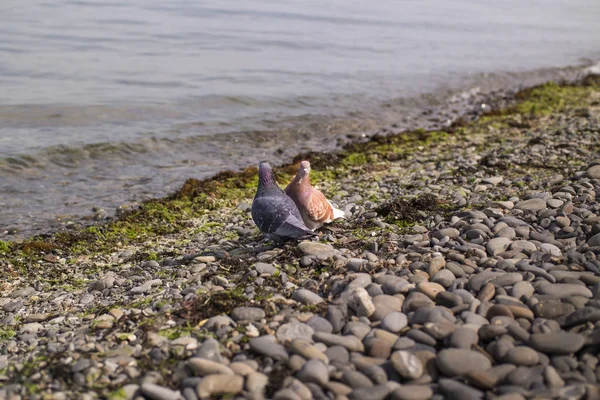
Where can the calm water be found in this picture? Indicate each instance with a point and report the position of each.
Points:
(108, 102)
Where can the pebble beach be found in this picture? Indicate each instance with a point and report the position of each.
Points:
(468, 268)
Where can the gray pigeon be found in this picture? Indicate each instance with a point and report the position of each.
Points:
(274, 212)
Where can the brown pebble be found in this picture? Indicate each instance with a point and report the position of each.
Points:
(487, 292)
(430, 289)
(499, 310)
(520, 311)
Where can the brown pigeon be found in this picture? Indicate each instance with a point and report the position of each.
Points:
(314, 207)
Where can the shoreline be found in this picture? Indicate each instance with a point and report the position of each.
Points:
(52, 210)
(182, 298)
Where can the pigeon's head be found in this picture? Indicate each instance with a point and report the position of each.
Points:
(265, 175)
(304, 169)
(264, 166)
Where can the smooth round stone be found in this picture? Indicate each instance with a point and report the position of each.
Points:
(594, 241)
(439, 330)
(445, 277)
(448, 299)
(337, 354)
(356, 379)
(518, 332)
(256, 382)
(404, 343)
(487, 292)
(552, 377)
(357, 329)
(498, 310)
(314, 371)
(385, 304)
(337, 316)
(415, 301)
(374, 289)
(523, 376)
(563, 290)
(156, 392)
(557, 343)
(338, 388)
(247, 314)
(452, 233)
(436, 264)
(459, 362)
(202, 367)
(306, 297)
(522, 355)
(463, 338)
(507, 232)
(361, 280)
(307, 350)
(508, 279)
(294, 330)
(406, 364)
(430, 289)
(534, 204)
(497, 245)
(317, 249)
(476, 281)
(593, 172)
(351, 343)
(520, 311)
(523, 245)
(394, 322)
(379, 392)
(421, 337)
(242, 368)
(319, 324)
(392, 284)
(389, 337)
(521, 289)
(583, 315)
(412, 392)
(454, 390)
(377, 347)
(552, 309)
(551, 249)
(267, 346)
(210, 350)
(218, 384)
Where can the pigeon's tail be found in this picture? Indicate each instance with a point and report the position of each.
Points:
(337, 213)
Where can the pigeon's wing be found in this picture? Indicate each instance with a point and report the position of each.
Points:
(318, 208)
(294, 228)
(278, 215)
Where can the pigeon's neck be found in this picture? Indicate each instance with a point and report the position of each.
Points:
(267, 184)
(302, 180)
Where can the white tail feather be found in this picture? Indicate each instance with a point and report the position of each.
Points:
(337, 213)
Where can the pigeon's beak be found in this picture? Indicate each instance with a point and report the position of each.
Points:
(306, 171)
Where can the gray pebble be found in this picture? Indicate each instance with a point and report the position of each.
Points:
(314, 371)
(267, 346)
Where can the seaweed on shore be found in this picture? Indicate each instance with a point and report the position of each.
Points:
(413, 210)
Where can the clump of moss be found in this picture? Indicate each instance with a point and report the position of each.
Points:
(208, 305)
(4, 247)
(412, 210)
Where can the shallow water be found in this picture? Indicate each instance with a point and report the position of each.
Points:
(109, 102)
